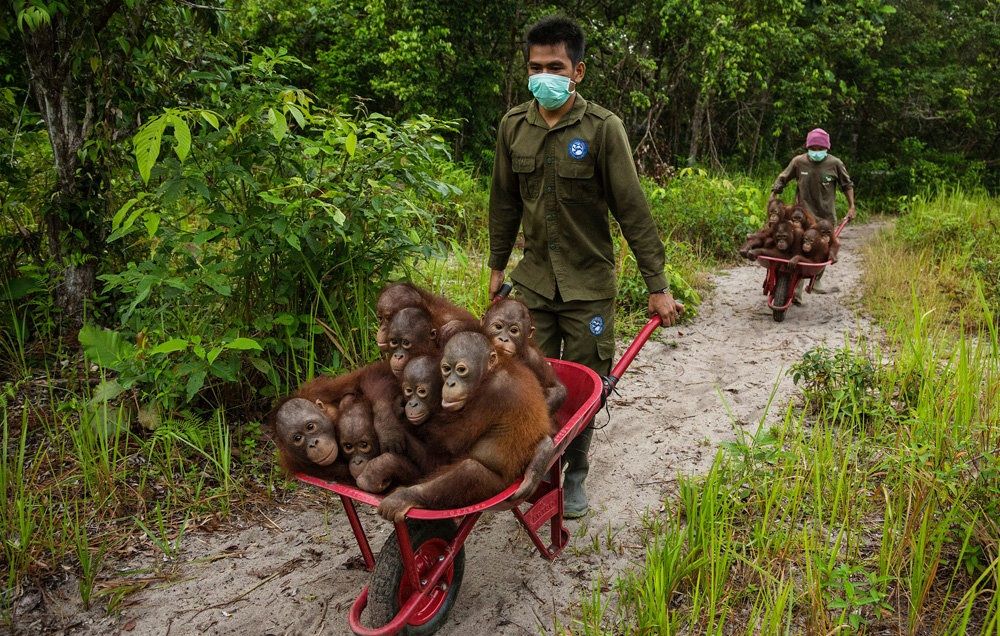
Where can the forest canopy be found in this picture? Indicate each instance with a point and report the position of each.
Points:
(189, 188)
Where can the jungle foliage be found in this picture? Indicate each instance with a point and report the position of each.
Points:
(205, 194)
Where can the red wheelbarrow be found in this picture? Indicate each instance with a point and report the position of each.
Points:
(783, 277)
(417, 575)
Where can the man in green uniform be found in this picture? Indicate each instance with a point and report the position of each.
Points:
(561, 164)
(817, 174)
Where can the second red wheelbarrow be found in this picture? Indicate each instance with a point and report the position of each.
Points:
(782, 278)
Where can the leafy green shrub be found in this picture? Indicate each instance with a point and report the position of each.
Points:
(843, 384)
(712, 214)
(257, 248)
(681, 271)
(915, 167)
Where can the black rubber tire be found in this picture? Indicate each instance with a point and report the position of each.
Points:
(780, 296)
(382, 590)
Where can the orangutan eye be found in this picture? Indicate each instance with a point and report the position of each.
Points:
(297, 438)
(461, 369)
(422, 392)
(407, 391)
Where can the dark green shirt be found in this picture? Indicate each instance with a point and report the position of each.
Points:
(817, 183)
(558, 184)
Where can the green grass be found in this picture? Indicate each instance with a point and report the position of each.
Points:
(82, 480)
(870, 508)
(944, 249)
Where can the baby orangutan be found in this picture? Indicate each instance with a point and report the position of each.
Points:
(763, 237)
(813, 250)
(422, 394)
(446, 317)
(786, 243)
(495, 418)
(307, 441)
(410, 333)
(508, 324)
(373, 470)
(829, 238)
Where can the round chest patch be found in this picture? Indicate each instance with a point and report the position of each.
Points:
(578, 148)
(597, 325)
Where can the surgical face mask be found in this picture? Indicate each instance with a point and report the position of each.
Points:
(550, 90)
(816, 155)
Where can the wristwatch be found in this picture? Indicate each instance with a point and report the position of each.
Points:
(660, 291)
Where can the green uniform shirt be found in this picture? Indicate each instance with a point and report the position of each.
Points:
(817, 183)
(559, 183)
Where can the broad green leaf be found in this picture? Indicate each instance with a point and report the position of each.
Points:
(351, 144)
(195, 381)
(213, 354)
(279, 127)
(297, 114)
(146, 145)
(104, 347)
(182, 134)
(211, 118)
(293, 240)
(107, 390)
(152, 224)
(244, 344)
(174, 344)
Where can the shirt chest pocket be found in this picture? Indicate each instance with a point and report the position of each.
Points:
(528, 180)
(575, 182)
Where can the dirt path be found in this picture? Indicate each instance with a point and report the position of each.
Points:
(299, 572)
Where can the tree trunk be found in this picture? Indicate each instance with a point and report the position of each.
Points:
(696, 119)
(73, 218)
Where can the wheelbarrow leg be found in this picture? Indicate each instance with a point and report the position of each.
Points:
(546, 505)
(359, 532)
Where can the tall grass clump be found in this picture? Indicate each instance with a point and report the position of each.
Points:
(943, 248)
(872, 508)
(85, 483)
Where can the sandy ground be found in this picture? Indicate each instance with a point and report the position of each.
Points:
(690, 389)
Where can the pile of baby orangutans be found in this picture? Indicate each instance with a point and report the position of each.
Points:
(457, 410)
(793, 233)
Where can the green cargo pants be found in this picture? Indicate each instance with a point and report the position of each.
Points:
(579, 331)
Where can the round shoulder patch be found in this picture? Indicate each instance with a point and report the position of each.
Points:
(597, 325)
(578, 148)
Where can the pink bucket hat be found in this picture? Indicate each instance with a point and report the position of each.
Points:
(818, 137)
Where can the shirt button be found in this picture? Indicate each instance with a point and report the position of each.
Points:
(548, 189)
(553, 246)
(548, 160)
(550, 217)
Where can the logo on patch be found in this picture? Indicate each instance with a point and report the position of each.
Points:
(597, 325)
(578, 148)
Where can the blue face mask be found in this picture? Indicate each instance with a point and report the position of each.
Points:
(816, 155)
(550, 90)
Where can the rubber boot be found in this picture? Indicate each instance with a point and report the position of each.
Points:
(797, 296)
(822, 289)
(577, 466)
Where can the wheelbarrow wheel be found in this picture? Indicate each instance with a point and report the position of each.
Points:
(390, 589)
(780, 297)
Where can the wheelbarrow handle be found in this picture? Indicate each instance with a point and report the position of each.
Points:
(630, 353)
(503, 292)
(840, 228)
